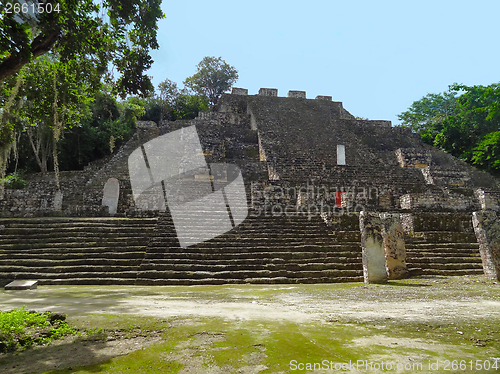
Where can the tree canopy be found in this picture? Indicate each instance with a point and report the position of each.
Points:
(465, 121)
(117, 32)
(213, 78)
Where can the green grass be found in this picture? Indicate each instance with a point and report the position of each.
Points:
(205, 344)
(220, 345)
(20, 328)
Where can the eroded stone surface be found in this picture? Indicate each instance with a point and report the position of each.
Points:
(22, 285)
(487, 228)
(487, 200)
(111, 194)
(372, 244)
(394, 245)
(58, 200)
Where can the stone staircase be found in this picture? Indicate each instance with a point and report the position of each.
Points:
(281, 249)
(289, 248)
(73, 250)
(443, 253)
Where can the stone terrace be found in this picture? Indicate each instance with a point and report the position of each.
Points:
(279, 144)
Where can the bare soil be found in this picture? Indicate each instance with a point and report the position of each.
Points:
(446, 302)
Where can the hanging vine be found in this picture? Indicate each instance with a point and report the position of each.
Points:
(57, 130)
(7, 133)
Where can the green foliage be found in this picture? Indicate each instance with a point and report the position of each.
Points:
(426, 115)
(172, 104)
(487, 153)
(213, 78)
(14, 182)
(111, 123)
(73, 83)
(188, 106)
(463, 121)
(22, 328)
(477, 114)
(115, 33)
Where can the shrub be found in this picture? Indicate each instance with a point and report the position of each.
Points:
(14, 182)
(22, 328)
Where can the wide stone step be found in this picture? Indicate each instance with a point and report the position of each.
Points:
(89, 281)
(254, 256)
(272, 265)
(50, 223)
(23, 229)
(447, 266)
(423, 261)
(90, 250)
(223, 239)
(64, 268)
(449, 237)
(35, 255)
(299, 247)
(72, 245)
(262, 280)
(426, 244)
(452, 256)
(269, 231)
(453, 272)
(71, 242)
(243, 274)
(82, 261)
(64, 275)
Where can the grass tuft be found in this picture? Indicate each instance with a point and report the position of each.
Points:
(20, 328)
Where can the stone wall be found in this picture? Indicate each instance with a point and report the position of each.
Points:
(288, 143)
(413, 158)
(439, 200)
(38, 198)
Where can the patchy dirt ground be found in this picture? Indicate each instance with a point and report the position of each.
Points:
(192, 329)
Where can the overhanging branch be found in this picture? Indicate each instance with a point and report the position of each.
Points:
(41, 45)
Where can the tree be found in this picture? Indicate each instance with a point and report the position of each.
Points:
(426, 115)
(477, 114)
(55, 97)
(487, 153)
(465, 121)
(168, 94)
(116, 31)
(213, 78)
(110, 124)
(188, 106)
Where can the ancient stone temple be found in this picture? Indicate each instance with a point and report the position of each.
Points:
(263, 189)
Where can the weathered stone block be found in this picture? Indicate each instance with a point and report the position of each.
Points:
(394, 245)
(407, 221)
(111, 194)
(268, 92)
(487, 201)
(273, 174)
(413, 158)
(340, 154)
(22, 285)
(297, 94)
(445, 177)
(432, 200)
(372, 245)
(487, 229)
(239, 91)
(58, 200)
(321, 97)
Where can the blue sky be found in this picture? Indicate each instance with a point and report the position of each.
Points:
(376, 57)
